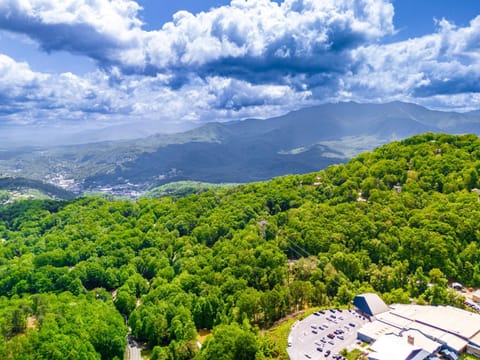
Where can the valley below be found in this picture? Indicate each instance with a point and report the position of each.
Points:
(234, 152)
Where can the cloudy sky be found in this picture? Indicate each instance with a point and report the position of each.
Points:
(167, 65)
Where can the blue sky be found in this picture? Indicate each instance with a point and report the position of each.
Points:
(68, 66)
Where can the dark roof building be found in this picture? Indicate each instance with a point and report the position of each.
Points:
(419, 354)
(370, 304)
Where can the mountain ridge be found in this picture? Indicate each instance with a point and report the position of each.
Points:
(301, 141)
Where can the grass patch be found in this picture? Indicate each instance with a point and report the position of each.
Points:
(468, 357)
(354, 355)
(279, 332)
(146, 354)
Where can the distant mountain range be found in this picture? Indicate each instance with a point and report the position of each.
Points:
(241, 151)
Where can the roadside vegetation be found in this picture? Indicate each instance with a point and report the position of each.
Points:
(468, 357)
(355, 355)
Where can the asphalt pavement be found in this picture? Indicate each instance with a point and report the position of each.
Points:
(324, 334)
(133, 350)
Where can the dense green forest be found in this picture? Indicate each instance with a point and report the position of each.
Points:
(399, 221)
(183, 188)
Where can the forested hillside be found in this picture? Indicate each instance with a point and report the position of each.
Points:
(13, 189)
(236, 260)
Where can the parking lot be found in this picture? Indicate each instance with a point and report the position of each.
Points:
(324, 334)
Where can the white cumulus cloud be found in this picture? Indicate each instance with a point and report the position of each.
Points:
(248, 59)
(436, 65)
(248, 36)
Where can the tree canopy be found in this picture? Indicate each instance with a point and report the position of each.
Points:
(399, 221)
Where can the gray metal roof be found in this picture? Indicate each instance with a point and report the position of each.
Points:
(370, 304)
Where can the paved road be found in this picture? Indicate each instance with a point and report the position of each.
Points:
(133, 350)
(306, 337)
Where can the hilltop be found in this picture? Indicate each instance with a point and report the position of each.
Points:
(13, 189)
